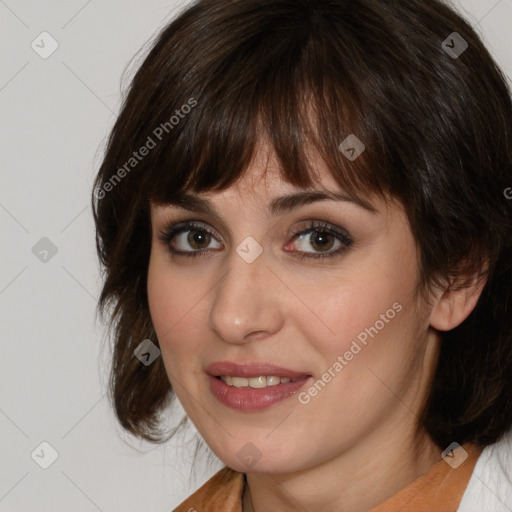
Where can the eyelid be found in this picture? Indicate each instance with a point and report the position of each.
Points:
(178, 222)
(319, 226)
(172, 228)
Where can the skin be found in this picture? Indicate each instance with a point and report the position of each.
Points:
(354, 444)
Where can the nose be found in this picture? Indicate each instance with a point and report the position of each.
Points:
(246, 301)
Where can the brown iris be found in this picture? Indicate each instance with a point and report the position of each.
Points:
(322, 241)
(199, 239)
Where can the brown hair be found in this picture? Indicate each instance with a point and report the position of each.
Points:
(305, 74)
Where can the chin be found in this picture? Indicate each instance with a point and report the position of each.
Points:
(251, 459)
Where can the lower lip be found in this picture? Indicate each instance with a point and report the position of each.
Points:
(251, 399)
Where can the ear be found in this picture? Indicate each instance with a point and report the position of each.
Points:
(454, 304)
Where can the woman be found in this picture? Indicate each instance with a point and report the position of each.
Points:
(301, 208)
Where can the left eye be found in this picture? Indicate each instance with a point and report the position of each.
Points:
(319, 241)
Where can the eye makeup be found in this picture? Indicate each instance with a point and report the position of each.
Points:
(317, 233)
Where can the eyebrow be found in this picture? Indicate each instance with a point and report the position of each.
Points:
(278, 206)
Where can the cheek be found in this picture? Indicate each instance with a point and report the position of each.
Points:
(175, 303)
(374, 339)
(368, 303)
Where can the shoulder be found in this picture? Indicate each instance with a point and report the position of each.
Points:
(490, 486)
(223, 491)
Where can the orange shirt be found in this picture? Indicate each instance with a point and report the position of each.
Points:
(438, 490)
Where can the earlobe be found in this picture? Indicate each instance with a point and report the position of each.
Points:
(455, 304)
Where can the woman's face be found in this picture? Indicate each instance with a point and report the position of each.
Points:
(347, 325)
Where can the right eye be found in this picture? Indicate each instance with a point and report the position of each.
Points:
(189, 238)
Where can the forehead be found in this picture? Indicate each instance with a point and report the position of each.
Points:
(264, 177)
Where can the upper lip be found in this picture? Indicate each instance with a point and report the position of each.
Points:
(249, 370)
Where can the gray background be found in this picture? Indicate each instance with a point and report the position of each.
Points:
(56, 114)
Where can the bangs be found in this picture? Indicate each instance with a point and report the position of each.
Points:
(290, 89)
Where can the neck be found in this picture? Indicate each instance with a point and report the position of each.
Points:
(364, 478)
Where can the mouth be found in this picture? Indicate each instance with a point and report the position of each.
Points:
(260, 382)
(256, 374)
(253, 386)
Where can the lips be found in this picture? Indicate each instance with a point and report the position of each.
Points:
(253, 369)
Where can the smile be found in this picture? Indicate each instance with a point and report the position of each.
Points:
(255, 382)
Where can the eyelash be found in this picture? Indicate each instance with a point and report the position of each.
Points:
(167, 234)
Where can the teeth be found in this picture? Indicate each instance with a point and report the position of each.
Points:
(254, 382)
(258, 382)
(239, 382)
